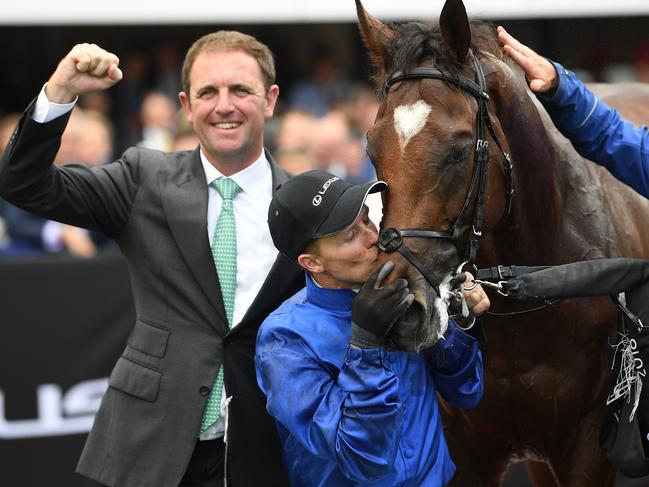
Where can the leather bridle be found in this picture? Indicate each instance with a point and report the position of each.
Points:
(392, 239)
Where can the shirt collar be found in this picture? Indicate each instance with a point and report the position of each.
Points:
(333, 299)
(253, 180)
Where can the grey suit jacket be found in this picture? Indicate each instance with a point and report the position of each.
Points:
(154, 205)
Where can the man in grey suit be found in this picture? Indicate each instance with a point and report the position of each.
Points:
(182, 407)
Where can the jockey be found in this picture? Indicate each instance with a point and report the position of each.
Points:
(596, 131)
(349, 410)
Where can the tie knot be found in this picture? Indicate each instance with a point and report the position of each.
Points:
(226, 187)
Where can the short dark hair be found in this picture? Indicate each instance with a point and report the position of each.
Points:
(230, 40)
(313, 247)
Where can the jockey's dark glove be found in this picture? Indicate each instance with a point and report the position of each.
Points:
(376, 308)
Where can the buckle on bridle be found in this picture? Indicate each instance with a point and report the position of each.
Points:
(390, 240)
(482, 145)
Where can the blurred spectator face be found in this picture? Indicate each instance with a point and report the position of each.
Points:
(96, 147)
(293, 151)
(228, 105)
(334, 146)
(135, 66)
(361, 106)
(366, 108)
(329, 135)
(352, 154)
(296, 130)
(296, 160)
(324, 68)
(7, 126)
(185, 141)
(96, 101)
(158, 111)
(69, 151)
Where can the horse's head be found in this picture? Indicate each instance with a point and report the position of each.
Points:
(426, 145)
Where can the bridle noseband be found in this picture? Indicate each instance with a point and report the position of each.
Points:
(391, 239)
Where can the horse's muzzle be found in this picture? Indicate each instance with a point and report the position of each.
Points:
(418, 328)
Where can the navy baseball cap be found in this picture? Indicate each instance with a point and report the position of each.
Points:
(314, 204)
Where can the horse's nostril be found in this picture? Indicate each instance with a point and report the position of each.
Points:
(406, 331)
(420, 299)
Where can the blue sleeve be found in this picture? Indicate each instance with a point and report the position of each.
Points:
(24, 226)
(456, 364)
(598, 133)
(353, 419)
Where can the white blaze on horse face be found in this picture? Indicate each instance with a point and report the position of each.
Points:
(409, 120)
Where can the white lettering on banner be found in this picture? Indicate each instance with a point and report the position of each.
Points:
(58, 414)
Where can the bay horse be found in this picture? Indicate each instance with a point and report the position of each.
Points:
(547, 372)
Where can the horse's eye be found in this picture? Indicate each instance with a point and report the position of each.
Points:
(457, 156)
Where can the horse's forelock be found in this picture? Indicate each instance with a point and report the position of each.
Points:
(415, 42)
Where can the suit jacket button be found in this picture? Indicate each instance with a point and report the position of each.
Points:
(204, 390)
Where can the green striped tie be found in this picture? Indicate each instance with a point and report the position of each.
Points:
(224, 252)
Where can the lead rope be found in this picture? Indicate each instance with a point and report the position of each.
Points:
(500, 274)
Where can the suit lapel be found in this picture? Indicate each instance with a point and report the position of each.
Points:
(184, 197)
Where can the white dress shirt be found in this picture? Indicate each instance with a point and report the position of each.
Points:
(255, 250)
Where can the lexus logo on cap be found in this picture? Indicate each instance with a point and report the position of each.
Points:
(317, 199)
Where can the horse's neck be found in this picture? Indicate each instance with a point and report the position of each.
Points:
(544, 169)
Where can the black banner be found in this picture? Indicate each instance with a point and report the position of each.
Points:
(63, 324)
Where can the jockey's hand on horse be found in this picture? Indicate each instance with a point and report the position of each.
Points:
(539, 72)
(86, 68)
(376, 308)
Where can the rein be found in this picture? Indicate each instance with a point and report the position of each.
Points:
(392, 239)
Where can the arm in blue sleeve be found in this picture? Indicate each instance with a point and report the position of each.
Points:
(353, 419)
(598, 133)
(456, 364)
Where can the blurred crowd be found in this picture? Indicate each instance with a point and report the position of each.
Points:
(319, 123)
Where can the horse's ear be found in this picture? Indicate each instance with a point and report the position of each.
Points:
(376, 36)
(454, 24)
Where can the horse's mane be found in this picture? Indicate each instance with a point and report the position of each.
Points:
(415, 42)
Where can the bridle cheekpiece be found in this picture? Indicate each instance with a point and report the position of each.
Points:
(392, 239)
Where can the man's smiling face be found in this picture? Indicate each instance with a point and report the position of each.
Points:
(228, 105)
